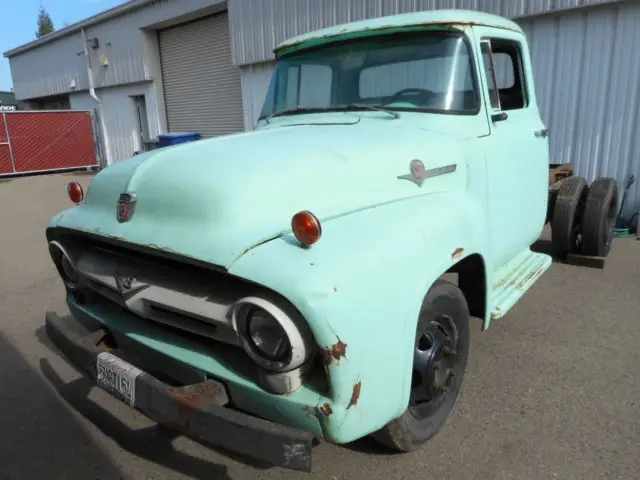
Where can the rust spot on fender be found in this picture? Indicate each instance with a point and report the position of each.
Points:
(355, 395)
(334, 352)
(326, 409)
(457, 253)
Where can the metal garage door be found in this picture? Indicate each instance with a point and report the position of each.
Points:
(201, 87)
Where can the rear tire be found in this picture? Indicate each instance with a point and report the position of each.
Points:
(566, 234)
(599, 219)
(441, 350)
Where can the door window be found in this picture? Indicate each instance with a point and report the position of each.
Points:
(490, 74)
(504, 58)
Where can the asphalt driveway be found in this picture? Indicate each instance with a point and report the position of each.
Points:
(552, 390)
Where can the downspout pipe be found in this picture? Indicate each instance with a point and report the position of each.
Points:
(92, 89)
(92, 92)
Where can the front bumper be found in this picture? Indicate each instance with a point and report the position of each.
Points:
(198, 410)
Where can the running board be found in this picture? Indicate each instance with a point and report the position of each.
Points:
(514, 278)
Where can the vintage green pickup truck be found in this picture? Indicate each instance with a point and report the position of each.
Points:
(315, 278)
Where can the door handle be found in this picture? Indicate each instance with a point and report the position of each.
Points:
(542, 133)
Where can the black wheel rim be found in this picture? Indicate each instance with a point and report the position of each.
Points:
(435, 365)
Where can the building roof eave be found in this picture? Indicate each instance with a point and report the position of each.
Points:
(76, 27)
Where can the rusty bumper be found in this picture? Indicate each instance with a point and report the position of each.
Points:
(197, 410)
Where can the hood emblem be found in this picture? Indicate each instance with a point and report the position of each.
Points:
(126, 206)
(125, 283)
(419, 173)
(128, 285)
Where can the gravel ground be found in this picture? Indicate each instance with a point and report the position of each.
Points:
(551, 390)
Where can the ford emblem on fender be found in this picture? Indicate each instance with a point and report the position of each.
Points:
(126, 205)
(419, 173)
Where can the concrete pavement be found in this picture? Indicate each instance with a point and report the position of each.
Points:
(552, 390)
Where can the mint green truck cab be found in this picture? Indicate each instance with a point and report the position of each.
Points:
(263, 289)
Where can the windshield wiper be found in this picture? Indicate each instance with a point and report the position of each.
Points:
(358, 106)
(351, 106)
(293, 111)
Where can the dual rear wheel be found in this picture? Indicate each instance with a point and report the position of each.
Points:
(583, 219)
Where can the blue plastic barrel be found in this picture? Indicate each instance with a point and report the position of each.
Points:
(167, 139)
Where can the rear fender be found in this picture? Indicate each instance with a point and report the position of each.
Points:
(361, 288)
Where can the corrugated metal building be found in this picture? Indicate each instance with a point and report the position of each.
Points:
(211, 73)
(146, 66)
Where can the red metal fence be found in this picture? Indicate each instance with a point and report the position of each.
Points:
(39, 141)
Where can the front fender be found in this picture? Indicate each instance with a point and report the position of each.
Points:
(361, 288)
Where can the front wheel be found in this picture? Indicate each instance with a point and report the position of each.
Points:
(440, 357)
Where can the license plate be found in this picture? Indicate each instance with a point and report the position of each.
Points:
(117, 377)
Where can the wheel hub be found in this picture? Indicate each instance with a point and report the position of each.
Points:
(434, 365)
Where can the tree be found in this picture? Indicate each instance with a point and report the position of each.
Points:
(45, 24)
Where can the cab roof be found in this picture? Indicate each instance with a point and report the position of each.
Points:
(426, 18)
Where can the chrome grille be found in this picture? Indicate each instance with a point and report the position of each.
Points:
(180, 296)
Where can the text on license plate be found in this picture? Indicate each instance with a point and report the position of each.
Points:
(117, 377)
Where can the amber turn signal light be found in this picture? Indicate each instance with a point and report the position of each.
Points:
(306, 227)
(76, 193)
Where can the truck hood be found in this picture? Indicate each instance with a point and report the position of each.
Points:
(214, 199)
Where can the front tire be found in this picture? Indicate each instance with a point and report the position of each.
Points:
(441, 350)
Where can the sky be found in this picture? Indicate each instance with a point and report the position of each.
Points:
(19, 21)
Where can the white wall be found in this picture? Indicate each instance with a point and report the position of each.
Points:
(125, 41)
(50, 70)
(118, 115)
(255, 82)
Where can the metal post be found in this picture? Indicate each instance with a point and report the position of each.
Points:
(6, 129)
(98, 138)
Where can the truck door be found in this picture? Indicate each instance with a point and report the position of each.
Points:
(517, 149)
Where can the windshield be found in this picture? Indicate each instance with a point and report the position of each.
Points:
(426, 71)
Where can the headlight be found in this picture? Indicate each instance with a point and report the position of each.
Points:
(267, 336)
(274, 336)
(68, 270)
(64, 264)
